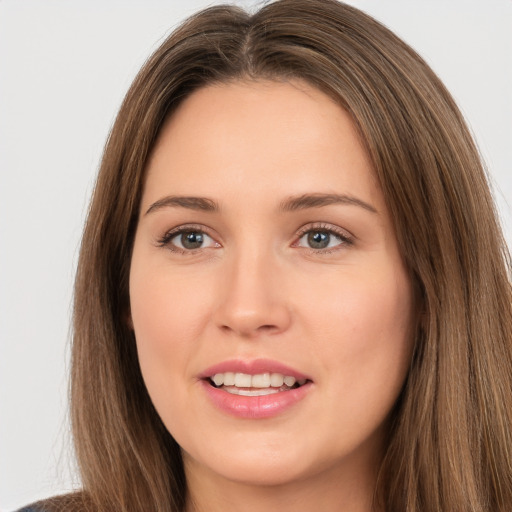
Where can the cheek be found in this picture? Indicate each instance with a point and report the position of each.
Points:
(166, 307)
(362, 328)
(370, 308)
(166, 318)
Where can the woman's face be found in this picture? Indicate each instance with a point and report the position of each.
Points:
(265, 259)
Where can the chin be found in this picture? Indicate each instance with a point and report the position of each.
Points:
(260, 466)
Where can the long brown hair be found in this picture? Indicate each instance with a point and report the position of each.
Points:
(450, 442)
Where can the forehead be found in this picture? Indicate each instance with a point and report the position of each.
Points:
(274, 136)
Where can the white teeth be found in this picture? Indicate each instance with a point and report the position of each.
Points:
(229, 379)
(289, 381)
(218, 379)
(276, 380)
(251, 392)
(261, 380)
(242, 380)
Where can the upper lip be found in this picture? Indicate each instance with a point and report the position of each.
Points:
(252, 367)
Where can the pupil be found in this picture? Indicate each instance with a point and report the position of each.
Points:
(318, 239)
(192, 240)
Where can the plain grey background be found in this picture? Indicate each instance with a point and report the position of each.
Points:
(64, 68)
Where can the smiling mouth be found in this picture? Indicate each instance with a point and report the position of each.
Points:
(260, 384)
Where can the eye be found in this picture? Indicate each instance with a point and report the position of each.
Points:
(187, 239)
(191, 240)
(320, 239)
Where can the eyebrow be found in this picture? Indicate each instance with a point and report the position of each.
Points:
(318, 200)
(291, 204)
(193, 203)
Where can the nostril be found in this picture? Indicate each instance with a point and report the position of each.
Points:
(251, 312)
(267, 327)
(248, 331)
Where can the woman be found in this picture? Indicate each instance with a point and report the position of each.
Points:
(292, 289)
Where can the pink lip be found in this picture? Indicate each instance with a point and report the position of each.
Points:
(254, 407)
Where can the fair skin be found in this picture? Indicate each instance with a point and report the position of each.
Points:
(288, 257)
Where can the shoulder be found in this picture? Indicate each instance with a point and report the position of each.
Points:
(34, 507)
(73, 502)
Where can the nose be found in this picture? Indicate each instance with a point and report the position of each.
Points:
(252, 298)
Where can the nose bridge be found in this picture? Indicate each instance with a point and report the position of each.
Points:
(252, 300)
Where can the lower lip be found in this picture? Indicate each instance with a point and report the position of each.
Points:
(255, 407)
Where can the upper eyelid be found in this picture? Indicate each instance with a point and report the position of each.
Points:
(325, 226)
(173, 232)
(190, 227)
(317, 225)
(303, 229)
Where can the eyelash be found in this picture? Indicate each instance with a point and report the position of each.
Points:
(165, 241)
(346, 240)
